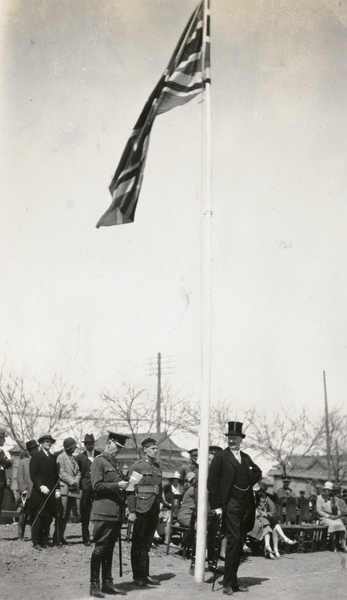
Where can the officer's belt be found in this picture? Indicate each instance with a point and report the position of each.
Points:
(152, 489)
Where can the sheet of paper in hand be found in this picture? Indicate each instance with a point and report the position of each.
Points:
(135, 477)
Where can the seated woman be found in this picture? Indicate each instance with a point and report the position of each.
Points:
(266, 523)
(329, 515)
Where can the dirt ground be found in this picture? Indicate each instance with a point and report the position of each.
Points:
(64, 573)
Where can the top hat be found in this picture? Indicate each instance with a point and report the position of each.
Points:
(235, 428)
(214, 449)
(118, 438)
(31, 445)
(89, 437)
(176, 475)
(46, 436)
(69, 443)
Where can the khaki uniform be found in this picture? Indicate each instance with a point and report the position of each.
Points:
(145, 502)
(107, 514)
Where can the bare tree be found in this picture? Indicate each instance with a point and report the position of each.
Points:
(136, 410)
(285, 437)
(223, 411)
(338, 443)
(28, 409)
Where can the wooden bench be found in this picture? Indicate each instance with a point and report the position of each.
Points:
(311, 537)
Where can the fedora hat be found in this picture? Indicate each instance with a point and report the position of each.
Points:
(235, 428)
(89, 437)
(46, 436)
(31, 445)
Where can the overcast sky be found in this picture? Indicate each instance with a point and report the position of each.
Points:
(96, 305)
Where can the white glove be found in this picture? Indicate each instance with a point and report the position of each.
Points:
(44, 489)
(218, 511)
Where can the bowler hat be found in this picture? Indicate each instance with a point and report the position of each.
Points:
(89, 437)
(118, 438)
(149, 442)
(235, 428)
(46, 436)
(31, 445)
(68, 443)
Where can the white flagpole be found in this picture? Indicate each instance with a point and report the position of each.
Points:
(206, 326)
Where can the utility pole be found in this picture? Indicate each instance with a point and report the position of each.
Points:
(159, 394)
(327, 427)
(157, 370)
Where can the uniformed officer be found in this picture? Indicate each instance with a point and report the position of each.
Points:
(143, 507)
(107, 513)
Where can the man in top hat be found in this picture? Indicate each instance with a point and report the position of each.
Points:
(44, 475)
(232, 475)
(5, 463)
(107, 513)
(70, 477)
(85, 460)
(25, 485)
(144, 506)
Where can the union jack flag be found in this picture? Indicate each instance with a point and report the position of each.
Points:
(183, 79)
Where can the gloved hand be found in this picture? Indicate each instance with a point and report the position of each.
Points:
(44, 489)
(132, 517)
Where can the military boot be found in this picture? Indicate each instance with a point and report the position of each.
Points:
(109, 588)
(95, 577)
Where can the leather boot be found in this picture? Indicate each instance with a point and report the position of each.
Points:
(95, 576)
(109, 588)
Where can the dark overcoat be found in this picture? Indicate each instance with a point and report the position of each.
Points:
(43, 471)
(222, 476)
(85, 466)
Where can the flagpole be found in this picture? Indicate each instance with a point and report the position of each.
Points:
(206, 326)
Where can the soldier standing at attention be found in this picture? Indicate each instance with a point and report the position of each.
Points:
(107, 513)
(143, 507)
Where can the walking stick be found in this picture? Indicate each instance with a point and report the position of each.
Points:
(217, 546)
(120, 554)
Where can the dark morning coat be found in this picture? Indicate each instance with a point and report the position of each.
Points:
(43, 471)
(221, 478)
(108, 502)
(85, 466)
